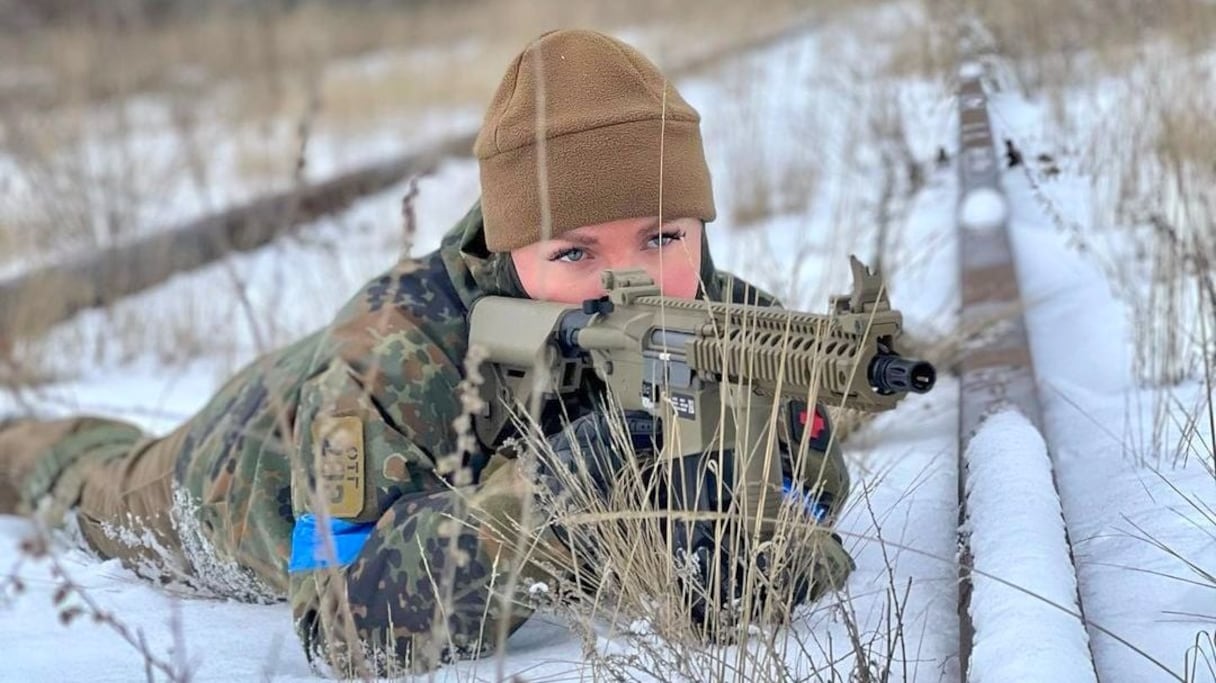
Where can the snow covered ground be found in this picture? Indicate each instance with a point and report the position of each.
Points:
(1122, 493)
(794, 108)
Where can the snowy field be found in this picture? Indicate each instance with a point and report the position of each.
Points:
(1123, 494)
(795, 110)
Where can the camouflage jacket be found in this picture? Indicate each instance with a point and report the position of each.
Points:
(382, 382)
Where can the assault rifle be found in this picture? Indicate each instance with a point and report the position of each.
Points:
(711, 373)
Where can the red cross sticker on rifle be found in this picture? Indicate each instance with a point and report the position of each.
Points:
(817, 424)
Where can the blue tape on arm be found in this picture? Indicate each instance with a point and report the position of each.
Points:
(814, 506)
(309, 547)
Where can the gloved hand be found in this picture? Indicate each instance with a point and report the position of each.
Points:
(799, 574)
(584, 453)
(805, 577)
(806, 574)
(819, 564)
(587, 443)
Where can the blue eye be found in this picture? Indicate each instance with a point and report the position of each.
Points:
(664, 238)
(571, 255)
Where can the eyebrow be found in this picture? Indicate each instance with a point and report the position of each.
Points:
(650, 226)
(591, 240)
(580, 239)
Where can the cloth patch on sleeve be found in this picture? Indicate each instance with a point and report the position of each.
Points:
(312, 550)
(338, 449)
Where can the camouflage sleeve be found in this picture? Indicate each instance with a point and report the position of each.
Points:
(417, 594)
(385, 574)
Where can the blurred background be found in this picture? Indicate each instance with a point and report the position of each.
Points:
(825, 123)
(127, 119)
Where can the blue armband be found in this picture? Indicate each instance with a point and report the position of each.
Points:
(815, 506)
(312, 550)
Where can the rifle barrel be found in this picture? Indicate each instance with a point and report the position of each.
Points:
(892, 374)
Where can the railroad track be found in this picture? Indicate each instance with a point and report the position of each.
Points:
(1002, 453)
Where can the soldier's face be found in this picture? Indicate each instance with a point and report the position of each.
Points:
(567, 269)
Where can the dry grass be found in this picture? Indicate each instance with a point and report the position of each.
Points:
(1166, 197)
(1050, 44)
(115, 54)
(667, 643)
(1060, 43)
(613, 586)
(140, 118)
(266, 62)
(1153, 210)
(455, 55)
(1192, 568)
(1130, 89)
(1200, 662)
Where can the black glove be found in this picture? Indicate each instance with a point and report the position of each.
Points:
(713, 595)
(804, 573)
(587, 443)
(588, 451)
(822, 565)
(710, 590)
(711, 578)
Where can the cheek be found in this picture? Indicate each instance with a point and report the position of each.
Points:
(680, 276)
(680, 281)
(547, 281)
(681, 272)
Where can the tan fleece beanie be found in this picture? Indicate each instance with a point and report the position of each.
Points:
(605, 121)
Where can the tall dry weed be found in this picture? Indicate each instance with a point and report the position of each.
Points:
(625, 579)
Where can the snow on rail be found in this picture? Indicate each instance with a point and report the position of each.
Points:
(1024, 597)
(983, 208)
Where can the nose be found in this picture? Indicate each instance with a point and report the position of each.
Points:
(612, 262)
